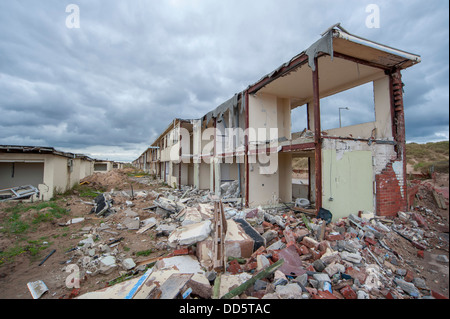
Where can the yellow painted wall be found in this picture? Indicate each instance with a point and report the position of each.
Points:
(348, 179)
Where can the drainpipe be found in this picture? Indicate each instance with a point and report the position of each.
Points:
(317, 137)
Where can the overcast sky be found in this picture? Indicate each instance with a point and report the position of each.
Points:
(110, 87)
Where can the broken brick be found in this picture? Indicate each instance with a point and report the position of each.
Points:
(334, 237)
(310, 243)
(310, 268)
(234, 267)
(437, 295)
(420, 220)
(323, 245)
(370, 241)
(179, 252)
(409, 276)
(355, 274)
(267, 225)
(289, 235)
(251, 266)
(259, 251)
(324, 295)
(304, 250)
(315, 254)
(348, 293)
(420, 253)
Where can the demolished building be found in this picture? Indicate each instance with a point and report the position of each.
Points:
(248, 141)
(46, 169)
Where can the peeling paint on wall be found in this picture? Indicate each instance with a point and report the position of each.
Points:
(397, 166)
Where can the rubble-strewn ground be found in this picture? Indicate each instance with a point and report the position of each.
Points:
(341, 264)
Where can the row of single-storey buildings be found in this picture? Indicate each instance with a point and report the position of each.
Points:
(46, 169)
(249, 139)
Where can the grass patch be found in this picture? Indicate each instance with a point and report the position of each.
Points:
(13, 224)
(84, 191)
(32, 247)
(138, 173)
(47, 215)
(144, 253)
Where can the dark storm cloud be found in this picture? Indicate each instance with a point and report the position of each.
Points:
(109, 88)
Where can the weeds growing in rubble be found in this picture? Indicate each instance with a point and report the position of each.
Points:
(138, 173)
(17, 223)
(144, 253)
(31, 247)
(83, 191)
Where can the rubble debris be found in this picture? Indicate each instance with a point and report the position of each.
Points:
(272, 252)
(263, 274)
(172, 287)
(21, 192)
(102, 204)
(190, 234)
(220, 230)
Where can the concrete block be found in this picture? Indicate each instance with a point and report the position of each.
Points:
(190, 234)
(128, 264)
(107, 265)
(270, 235)
(351, 257)
(321, 277)
(407, 287)
(334, 268)
(131, 223)
(289, 291)
(191, 216)
(276, 245)
(262, 262)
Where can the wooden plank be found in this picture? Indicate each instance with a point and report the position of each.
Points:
(304, 210)
(138, 285)
(321, 233)
(145, 228)
(219, 261)
(149, 260)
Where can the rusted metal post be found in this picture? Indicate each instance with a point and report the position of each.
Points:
(317, 136)
(398, 127)
(246, 150)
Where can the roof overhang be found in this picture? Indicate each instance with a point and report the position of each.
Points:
(345, 61)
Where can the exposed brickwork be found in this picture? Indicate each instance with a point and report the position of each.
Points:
(391, 190)
(389, 198)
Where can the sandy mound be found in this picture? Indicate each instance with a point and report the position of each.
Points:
(117, 179)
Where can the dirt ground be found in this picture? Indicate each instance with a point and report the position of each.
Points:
(24, 267)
